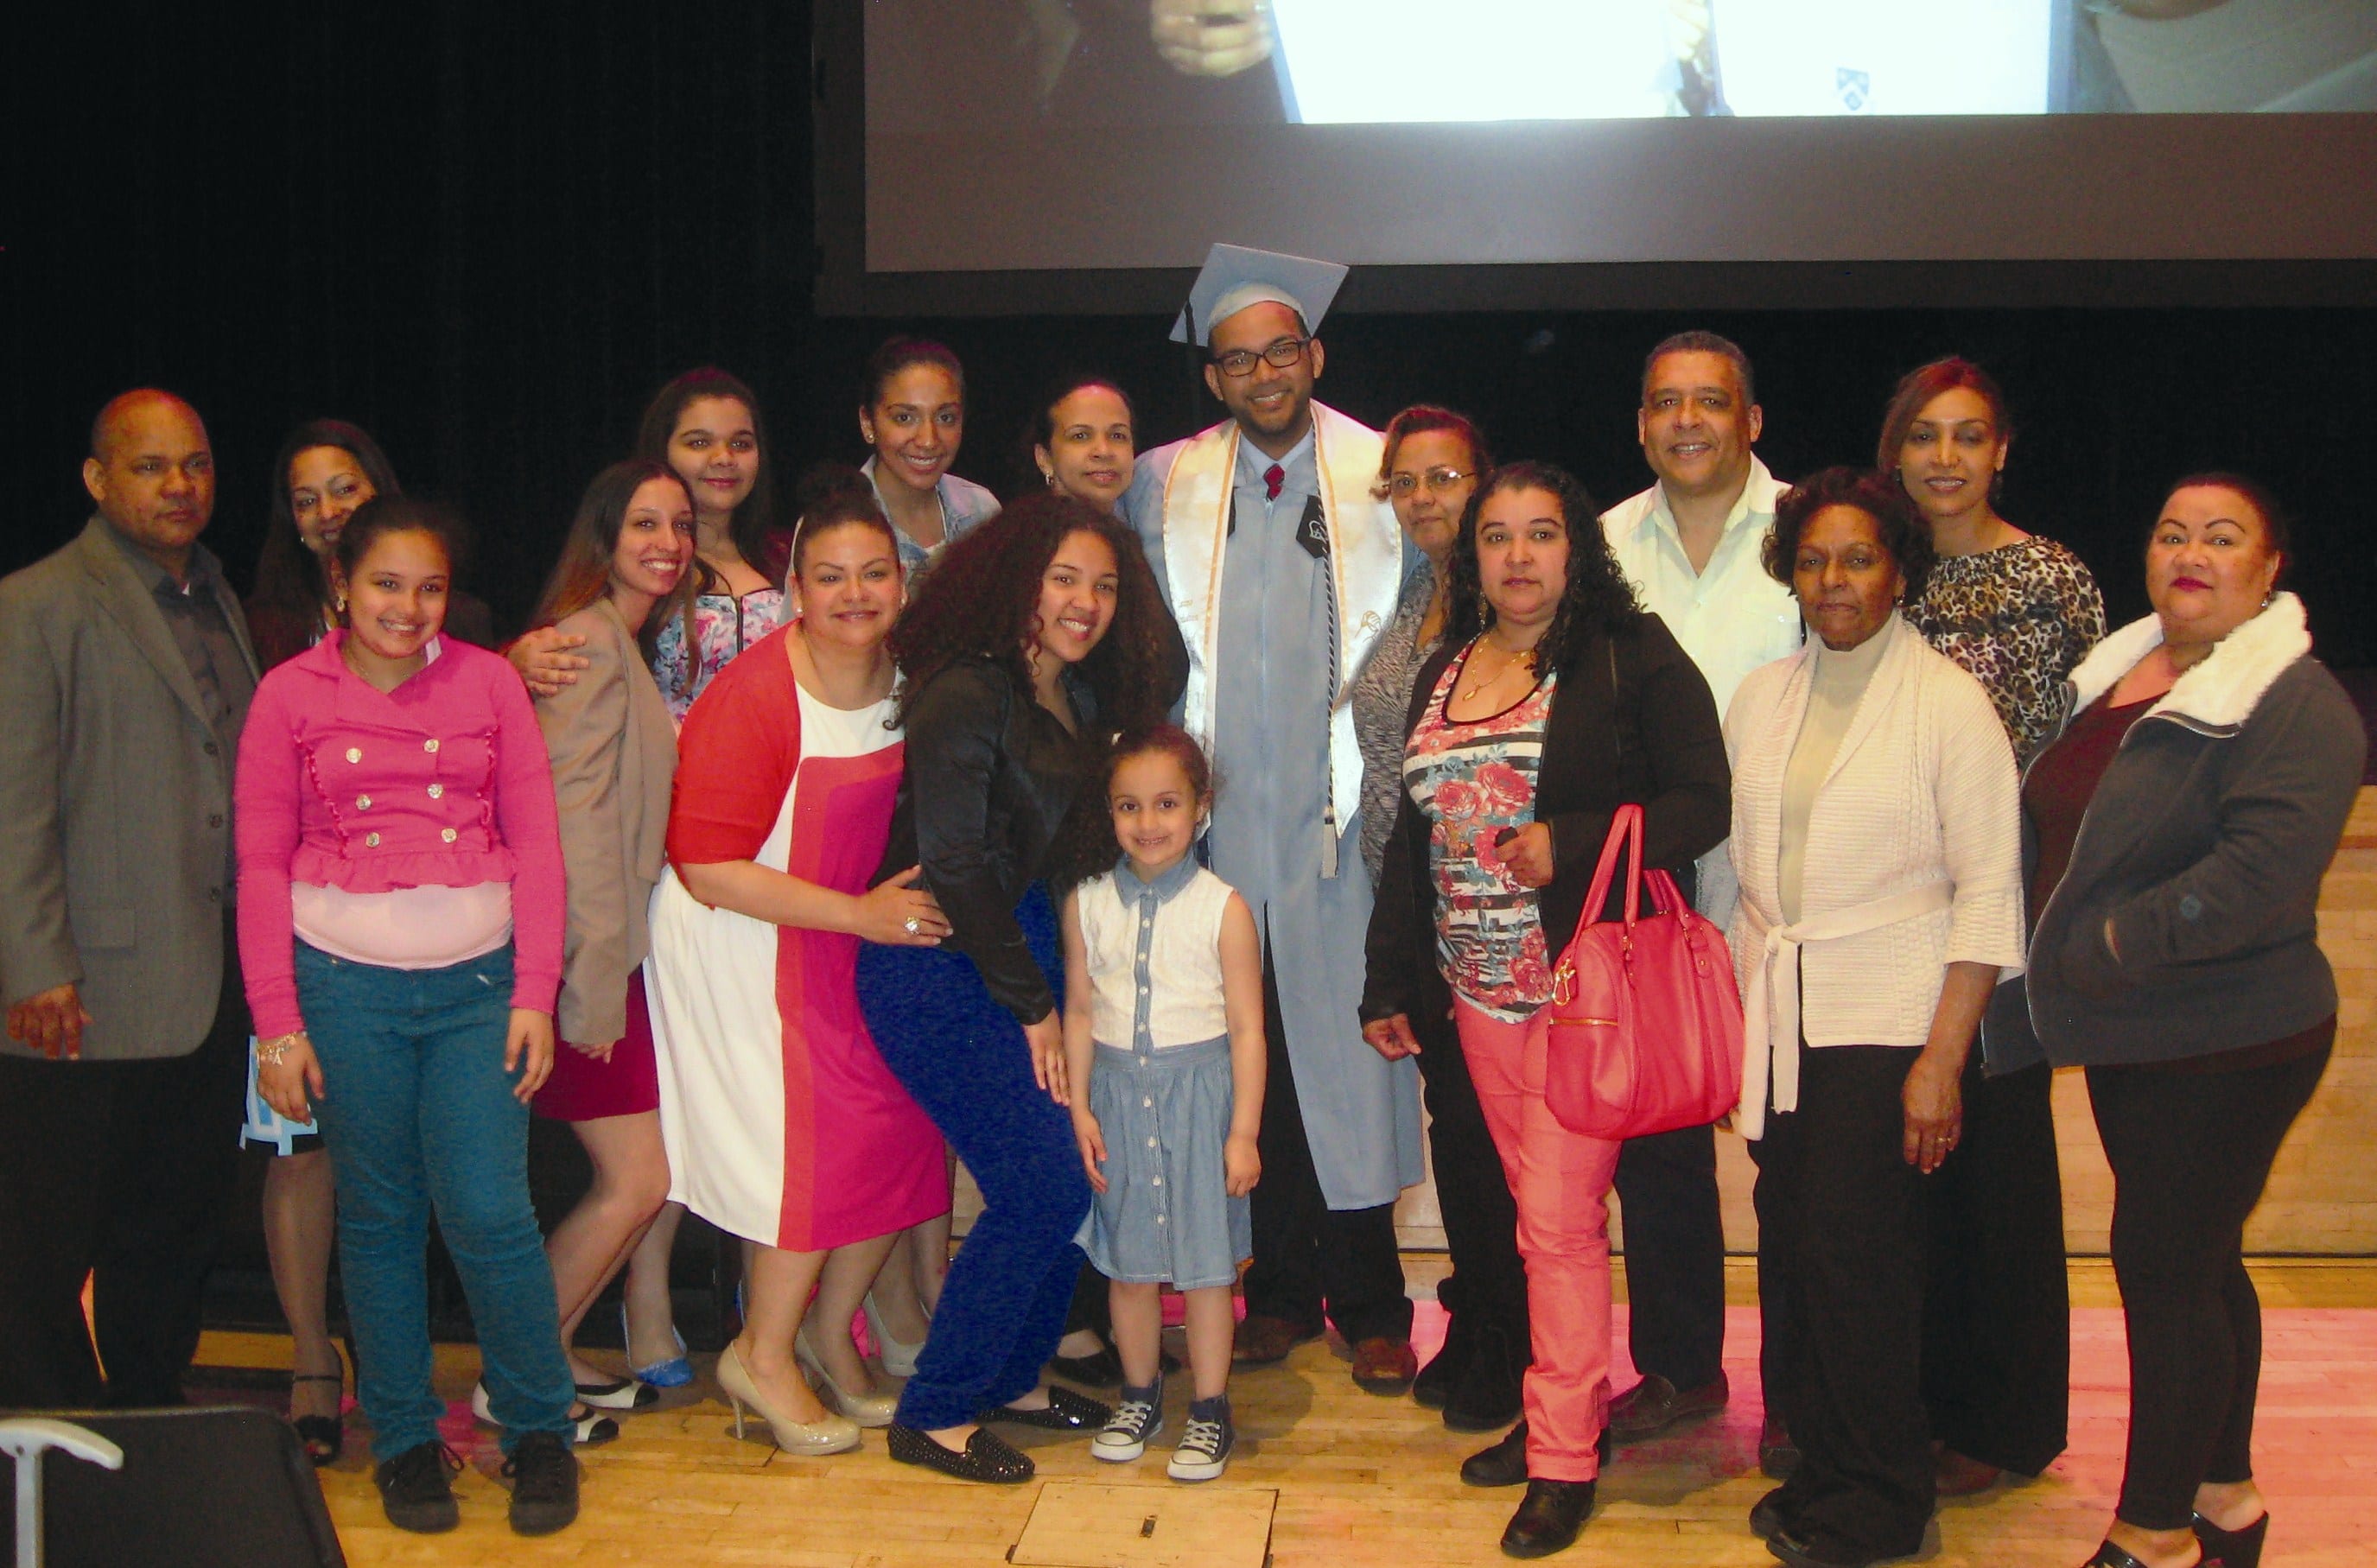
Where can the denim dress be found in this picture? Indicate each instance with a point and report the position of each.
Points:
(1160, 1085)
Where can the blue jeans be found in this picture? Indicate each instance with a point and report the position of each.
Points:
(418, 1114)
(963, 1057)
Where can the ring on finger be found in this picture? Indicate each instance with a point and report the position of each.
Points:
(912, 925)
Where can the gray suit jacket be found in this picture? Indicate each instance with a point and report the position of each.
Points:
(114, 806)
(613, 752)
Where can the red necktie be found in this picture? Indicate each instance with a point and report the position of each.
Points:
(1273, 476)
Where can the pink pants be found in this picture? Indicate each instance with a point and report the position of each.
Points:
(1561, 1180)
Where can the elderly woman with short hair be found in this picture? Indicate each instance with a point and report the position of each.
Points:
(1876, 836)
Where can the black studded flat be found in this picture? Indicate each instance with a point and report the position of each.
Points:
(988, 1456)
(1066, 1411)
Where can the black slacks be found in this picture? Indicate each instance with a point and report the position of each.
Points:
(1309, 1258)
(1996, 1302)
(1675, 1254)
(1674, 1224)
(120, 1171)
(1839, 1241)
(1489, 1283)
(2190, 1153)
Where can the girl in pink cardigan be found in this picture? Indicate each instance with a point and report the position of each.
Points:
(400, 917)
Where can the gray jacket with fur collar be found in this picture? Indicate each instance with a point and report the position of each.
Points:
(2203, 845)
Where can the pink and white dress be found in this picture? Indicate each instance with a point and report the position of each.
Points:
(782, 1124)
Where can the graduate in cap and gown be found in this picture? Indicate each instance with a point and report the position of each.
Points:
(1283, 570)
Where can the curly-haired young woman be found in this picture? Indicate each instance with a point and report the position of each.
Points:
(1035, 637)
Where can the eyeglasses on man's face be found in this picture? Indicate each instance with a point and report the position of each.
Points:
(1439, 481)
(1282, 354)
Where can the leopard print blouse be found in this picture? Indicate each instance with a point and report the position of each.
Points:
(2017, 619)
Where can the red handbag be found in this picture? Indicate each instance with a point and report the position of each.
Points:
(1645, 1020)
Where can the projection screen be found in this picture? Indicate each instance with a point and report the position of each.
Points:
(1031, 136)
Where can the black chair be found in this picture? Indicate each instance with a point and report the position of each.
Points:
(223, 1488)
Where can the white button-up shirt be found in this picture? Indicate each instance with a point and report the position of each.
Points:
(1731, 618)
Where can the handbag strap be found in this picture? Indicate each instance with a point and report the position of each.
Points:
(1631, 815)
(1625, 835)
(1667, 898)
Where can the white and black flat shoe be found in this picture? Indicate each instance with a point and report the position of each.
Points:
(620, 1393)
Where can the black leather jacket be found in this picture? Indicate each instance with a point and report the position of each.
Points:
(990, 776)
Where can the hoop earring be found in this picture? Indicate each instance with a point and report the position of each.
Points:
(1050, 475)
(341, 607)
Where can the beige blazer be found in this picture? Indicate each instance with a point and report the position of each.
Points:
(613, 751)
(114, 806)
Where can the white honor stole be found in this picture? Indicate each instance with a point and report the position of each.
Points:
(1366, 578)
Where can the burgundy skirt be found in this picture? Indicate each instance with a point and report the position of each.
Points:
(583, 1089)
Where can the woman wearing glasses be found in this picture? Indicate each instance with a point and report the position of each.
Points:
(1432, 463)
(1428, 469)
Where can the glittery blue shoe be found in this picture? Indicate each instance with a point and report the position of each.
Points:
(674, 1373)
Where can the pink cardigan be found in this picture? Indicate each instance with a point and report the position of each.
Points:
(440, 783)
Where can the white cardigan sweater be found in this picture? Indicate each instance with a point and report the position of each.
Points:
(1922, 788)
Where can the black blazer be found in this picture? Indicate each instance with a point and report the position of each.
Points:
(990, 776)
(1631, 720)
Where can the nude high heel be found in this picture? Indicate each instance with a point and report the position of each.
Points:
(867, 1409)
(899, 1357)
(835, 1434)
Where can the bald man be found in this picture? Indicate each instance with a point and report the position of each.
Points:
(124, 673)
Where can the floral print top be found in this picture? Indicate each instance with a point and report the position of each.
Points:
(2017, 619)
(1471, 780)
(722, 628)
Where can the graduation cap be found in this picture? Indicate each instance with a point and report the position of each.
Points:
(1238, 276)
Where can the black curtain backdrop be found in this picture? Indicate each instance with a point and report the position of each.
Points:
(486, 232)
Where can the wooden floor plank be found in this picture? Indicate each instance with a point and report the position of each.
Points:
(1365, 1483)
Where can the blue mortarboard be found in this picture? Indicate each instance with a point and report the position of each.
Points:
(1238, 276)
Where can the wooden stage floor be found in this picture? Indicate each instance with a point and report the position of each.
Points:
(1363, 1480)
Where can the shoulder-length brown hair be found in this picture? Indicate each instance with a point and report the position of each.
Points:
(982, 601)
(582, 575)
